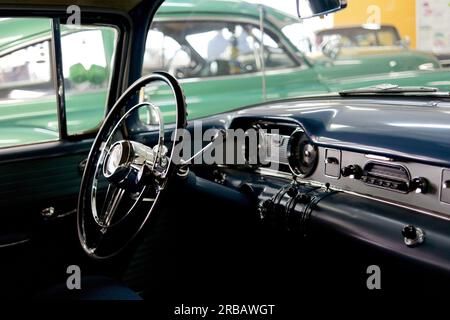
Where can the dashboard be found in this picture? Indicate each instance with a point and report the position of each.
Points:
(333, 166)
(372, 170)
(291, 154)
(301, 185)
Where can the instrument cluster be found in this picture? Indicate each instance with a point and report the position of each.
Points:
(285, 145)
(302, 154)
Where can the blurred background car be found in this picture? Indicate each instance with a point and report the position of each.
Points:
(373, 41)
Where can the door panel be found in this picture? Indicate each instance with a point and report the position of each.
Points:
(40, 180)
(34, 247)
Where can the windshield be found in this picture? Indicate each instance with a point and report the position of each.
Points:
(259, 50)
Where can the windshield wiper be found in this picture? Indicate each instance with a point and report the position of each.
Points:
(391, 89)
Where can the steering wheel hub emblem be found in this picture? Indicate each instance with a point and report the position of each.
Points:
(126, 163)
(117, 159)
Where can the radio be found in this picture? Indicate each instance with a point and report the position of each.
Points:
(386, 176)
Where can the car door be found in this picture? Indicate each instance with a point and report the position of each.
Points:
(54, 83)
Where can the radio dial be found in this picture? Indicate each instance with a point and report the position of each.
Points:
(419, 185)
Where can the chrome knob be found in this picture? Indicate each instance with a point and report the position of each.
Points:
(412, 236)
(419, 185)
(48, 212)
(352, 171)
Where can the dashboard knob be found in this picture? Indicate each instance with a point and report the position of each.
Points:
(352, 171)
(419, 185)
(412, 235)
(409, 232)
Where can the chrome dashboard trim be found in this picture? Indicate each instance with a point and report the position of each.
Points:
(277, 174)
(299, 129)
(380, 158)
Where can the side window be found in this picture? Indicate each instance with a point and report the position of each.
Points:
(387, 38)
(209, 48)
(28, 111)
(301, 37)
(368, 39)
(25, 67)
(275, 56)
(87, 54)
(163, 52)
(28, 104)
(226, 48)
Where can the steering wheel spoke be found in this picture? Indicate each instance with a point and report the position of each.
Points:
(112, 201)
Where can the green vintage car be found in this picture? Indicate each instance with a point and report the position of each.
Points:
(234, 45)
(375, 46)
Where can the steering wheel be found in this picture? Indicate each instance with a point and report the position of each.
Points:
(124, 180)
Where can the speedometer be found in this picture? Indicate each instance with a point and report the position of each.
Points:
(302, 154)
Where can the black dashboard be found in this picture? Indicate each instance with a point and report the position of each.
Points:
(385, 183)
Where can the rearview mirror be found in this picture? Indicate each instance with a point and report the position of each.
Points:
(312, 8)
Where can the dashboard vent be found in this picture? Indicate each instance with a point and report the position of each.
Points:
(386, 176)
